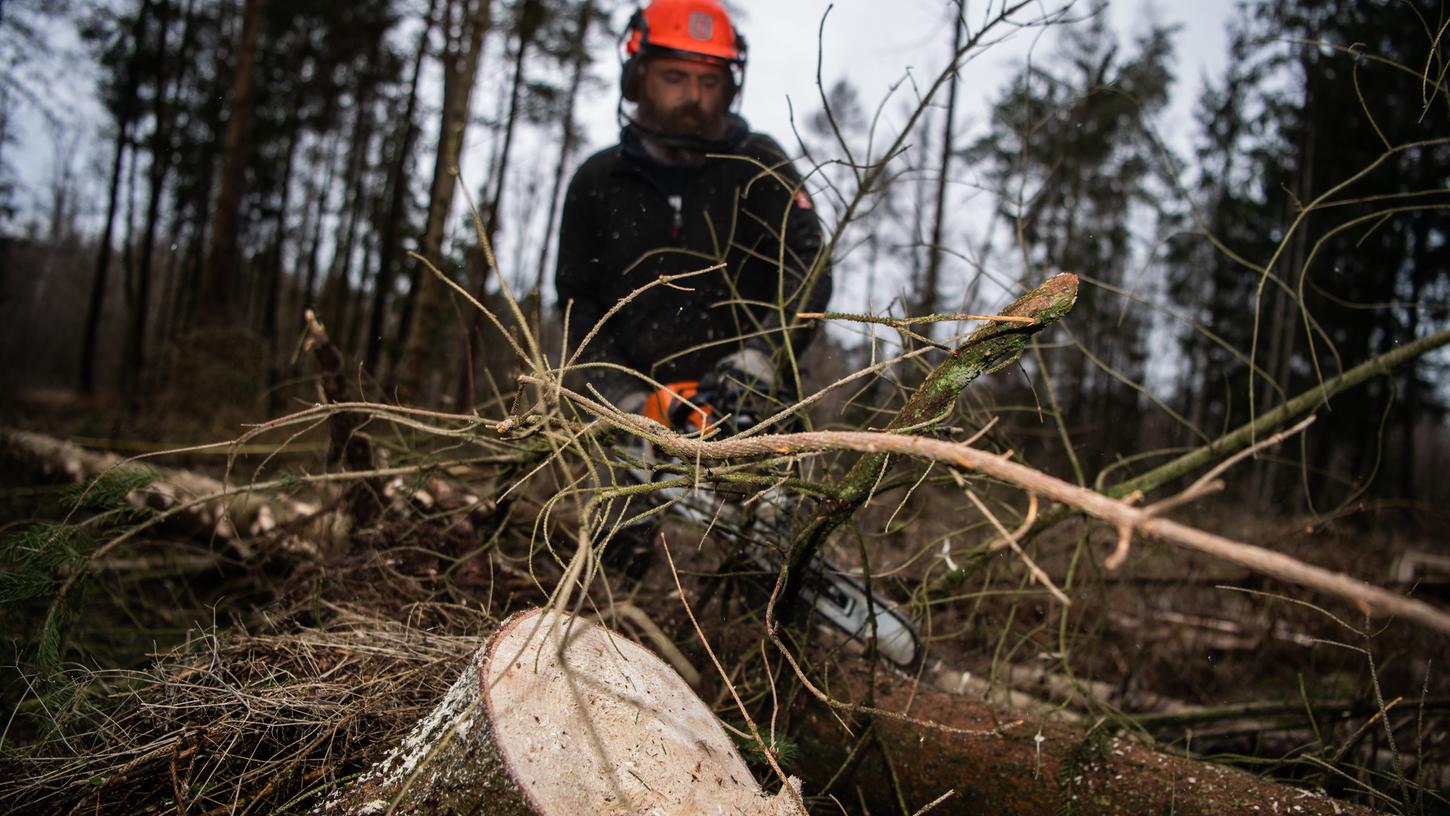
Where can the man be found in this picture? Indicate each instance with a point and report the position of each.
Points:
(690, 188)
(687, 188)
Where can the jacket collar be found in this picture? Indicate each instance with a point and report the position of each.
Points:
(648, 147)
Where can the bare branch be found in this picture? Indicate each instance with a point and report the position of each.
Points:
(1370, 599)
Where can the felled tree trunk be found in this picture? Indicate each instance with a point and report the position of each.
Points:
(201, 504)
(560, 716)
(1004, 762)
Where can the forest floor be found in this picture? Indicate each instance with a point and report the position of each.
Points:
(338, 640)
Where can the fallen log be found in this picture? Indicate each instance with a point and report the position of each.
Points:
(993, 762)
(556, 715)
(206, 506)
(1036, 690)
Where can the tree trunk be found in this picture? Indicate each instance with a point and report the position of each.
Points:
(566, 136)
(397, 189)
(220, 287)
(172, 273)
(134, 359)
(194, 504)
(103, 260)
(198, 220)
(460, 65)
(356, 304)
(529, 18)
(1004, 762)
(103, 263)
(161, 159)
(560, 716)
(931, 282)
(128, 246)
(276, 256)
(275, 277)
(334, 292)
(189, 293)
(317, 215)
(346, 446)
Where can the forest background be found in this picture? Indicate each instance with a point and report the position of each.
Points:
(126, 247)
(261, 158)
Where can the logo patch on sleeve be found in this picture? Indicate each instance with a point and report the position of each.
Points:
(803, 201)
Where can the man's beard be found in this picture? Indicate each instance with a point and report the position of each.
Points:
(689, 121)
(686, 120)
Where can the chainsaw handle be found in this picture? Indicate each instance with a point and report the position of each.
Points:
(680, 407)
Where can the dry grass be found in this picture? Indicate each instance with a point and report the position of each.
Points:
(232, 722)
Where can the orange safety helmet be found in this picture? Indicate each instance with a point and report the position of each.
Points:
(693, 29)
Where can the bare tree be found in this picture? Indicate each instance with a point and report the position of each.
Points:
(124, 113)
(464, 27)
(220, 287)
(568, 138)
(931, 280)
(396, 194)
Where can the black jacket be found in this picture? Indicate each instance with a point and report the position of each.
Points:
(628, 220)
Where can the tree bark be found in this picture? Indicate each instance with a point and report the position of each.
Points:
(162, 155)
(346, 444)
(1003, 762)
(317, 215)
(530, 17)
(355, 307)
(559, 716)
(272, 297)
(103, 264)
(171, 280)
(460, 66)
(199, 505)
(135, 360)
(219, 291)
(335, 290)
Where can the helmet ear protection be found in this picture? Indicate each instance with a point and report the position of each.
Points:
(629, 74)
(638, 45)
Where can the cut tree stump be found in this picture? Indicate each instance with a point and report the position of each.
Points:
(556, 715)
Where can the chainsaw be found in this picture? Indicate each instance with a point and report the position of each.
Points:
(834, 595)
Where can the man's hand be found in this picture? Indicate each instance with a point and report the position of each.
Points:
(749, 366)
(745, 388)
(631, 402)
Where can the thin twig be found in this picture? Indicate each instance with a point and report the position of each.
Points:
(1038, 574)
